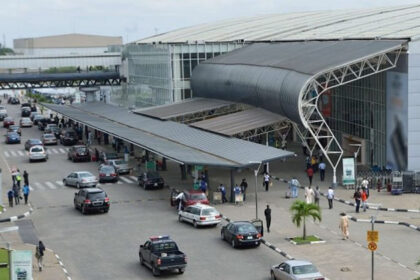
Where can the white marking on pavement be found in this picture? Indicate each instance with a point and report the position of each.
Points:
(413, 226)
(119, 183)
(358, 244)
(65, 271)
(59, 183)
(391, 222)
(20, 153)
(385, 257)
(133, 178)
(55, 151)
(6, 154)
(30, 188)
(400, 264)
(14, 218)
(391, 209)
(49, 152)
(126, 180)
(417, 272)
(62, 150)
(39, 186)
(13, 153)
(50, 185)
(6, 229)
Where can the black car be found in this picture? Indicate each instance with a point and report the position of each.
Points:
(42, 123)
(68, 137)
(79, 153)
(91, 199)
(32, 142)
(241, 234)
(107, 173)
(103, 156)
(37, 118)
(26, 104)
(13, 100)
(150, 179)
(26, 112)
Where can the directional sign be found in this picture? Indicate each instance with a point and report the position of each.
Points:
(372, 246)
(372, 236)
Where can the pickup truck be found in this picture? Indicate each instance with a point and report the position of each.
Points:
(161, 253)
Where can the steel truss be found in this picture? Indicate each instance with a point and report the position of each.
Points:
(62, 83)
(314, 125)
(203, 115)
(282, 127)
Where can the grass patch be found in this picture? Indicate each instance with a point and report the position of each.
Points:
(310, 238)
(1, 208)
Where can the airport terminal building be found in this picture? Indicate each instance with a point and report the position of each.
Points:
(345, 79)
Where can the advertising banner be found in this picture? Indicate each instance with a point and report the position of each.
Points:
(348, 171)
(21, 265)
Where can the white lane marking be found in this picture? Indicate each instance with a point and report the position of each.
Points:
(55, 151)
(387, 258)
(13, 153)
(30, 188)
(59, 183)
(6, 154)
(119, 183)
(62, 150)
(134, 178)
(51, 185)
(391, 222)
(126, 180)
(7, 229)
(400, 264)
(49, 152)
(39, 186)
(20, 153)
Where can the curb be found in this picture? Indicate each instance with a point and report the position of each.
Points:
(384, 222)
(15, 218)
(60, 261)
(321, 241)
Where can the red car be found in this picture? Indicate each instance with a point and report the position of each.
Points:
(191, 197)
(8, 121)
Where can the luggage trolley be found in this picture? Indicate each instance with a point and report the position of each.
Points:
(397, 183)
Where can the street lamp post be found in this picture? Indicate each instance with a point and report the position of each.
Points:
(256, 183)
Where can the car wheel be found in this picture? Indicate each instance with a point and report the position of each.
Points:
(195, 224)
(78, 185)
(65, 182)
(181, 270)
(155, 271)
(233, 243)
(272, 276)
(179, 218)
(83, 210)
(222, 235)
(141, 259)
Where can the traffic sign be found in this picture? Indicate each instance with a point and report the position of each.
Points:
(372, 236)
(372, 246)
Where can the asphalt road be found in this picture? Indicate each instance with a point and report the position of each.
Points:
(105, 246)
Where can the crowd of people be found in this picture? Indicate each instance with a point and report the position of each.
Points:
(18, 192)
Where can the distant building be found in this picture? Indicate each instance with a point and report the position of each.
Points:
(67, 44)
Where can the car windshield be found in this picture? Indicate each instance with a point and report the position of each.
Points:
(245, 228)
(164, 247)
(26, 120)
(304, 269)
(70, 134)
(49, 136)
(81, 149)
(36, 149)
(14, 127)
(85, 175)
(111, 155)
(107, 169)
(35, 141)
(208, 212)
(96, 195)
(119, 162)
(38, 117)
(198, 196)
(12, 134)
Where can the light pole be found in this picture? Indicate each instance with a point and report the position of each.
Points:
(256, 182)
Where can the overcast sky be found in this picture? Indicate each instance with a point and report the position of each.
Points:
(136, 19)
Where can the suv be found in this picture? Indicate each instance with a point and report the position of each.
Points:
(68, 137)
(3, 113)
(52, 128)
(26, 112)
(190, 197)
(91, 199)
(78, 153)
(150, 179)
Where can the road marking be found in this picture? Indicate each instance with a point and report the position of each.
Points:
(126, 180)
(59, 183)
(6, 154)
(20, 153)
(30, 188)
(51, 185)
(119, 183)
(49, 152)
(7, 229)
(134, 178)
(55, 151)
(13, 153)
(62, 150)
(39, 186)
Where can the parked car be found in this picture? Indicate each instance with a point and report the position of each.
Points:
(42, 123)
(49, 139)
(8, 121)
(68, 137)
(91, 199)
(241, 234)
(120, 165)
(150, 179)
(38, 118)
(25, 122)
(107, 173)
(160, 253)
(32, 115)
(12, 138)
(295, 270)
(13, 100)
(78, 153)
(200, 215)
(32, 142)
(3, 113)
(191, 197)
(25, 104)
(37, 153)
(52, 128)
(104, 156)
(15, 128)
(25, 112)
(80, 179)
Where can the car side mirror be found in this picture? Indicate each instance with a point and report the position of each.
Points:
(281, 268)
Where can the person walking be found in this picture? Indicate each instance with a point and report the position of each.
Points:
(330, 197)
(322, 166)
(26, 191)
(344, 226)
(363, 197)
(180, 199)
(244, 186)
(16, 191)
(267, 214)
(10, 195)
(39, 254)
(294, 185)
(203, 186)
(310, 173)
(18, 178)
(309, 195)
(357, 197)
(317, 195)
(222, 189)
(266, 181)
(25, 178)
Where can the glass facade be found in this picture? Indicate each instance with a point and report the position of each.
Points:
(359, 109)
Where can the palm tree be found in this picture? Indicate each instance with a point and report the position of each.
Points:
(300, 210)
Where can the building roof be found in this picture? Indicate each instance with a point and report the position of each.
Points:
(73, 40)
(394, 22)
(169, 139)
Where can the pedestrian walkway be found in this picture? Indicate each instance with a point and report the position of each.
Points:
(23, 153)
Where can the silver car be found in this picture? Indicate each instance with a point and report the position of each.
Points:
(80, 179)
(25, 122)
(37, 153)
(49, 139)
(295, 270)
(120, 165)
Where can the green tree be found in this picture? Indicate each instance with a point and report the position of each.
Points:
(301, 210)
(5, 51)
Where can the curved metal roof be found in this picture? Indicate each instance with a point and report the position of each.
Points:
(386, 23)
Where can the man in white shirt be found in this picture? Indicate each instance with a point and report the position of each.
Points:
(293, 185)
(180, 198)
(309, 195)
(322, 166)
(266, 181)
(330, 196)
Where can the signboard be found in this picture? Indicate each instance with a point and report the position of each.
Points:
(21, 265)
(372, 236)
(4, 264)
(372, 246)
(348, 171)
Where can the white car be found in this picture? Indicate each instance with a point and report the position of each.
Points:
(37, 153)
(200, 215)
(49, 139)
(295, 270)
(25, 122)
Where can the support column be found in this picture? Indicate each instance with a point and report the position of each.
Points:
(232, 184)
(183, 172)
(267, 144)
(164, 167)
